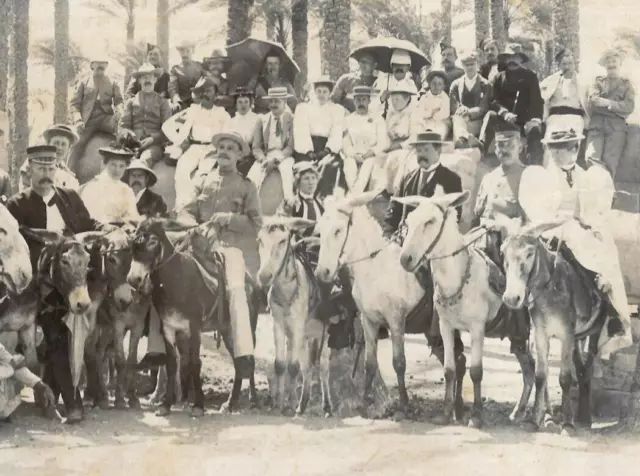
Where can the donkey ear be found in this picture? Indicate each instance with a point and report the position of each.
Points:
(42, 236)
(454, 200)
(539, 228)
(91, 238)
(411, 200)
(45, 262)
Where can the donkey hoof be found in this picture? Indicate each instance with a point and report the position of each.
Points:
(103, 404)
(134, 404)
(225, 408)
(548, 422)
(442, 420)
(475, 422)
(120, 404)
(327, 414)
(516, 416)
(459, 411)
(163, 411)
(568, 430)
(529, 426)
(197, 412)
(155, 399)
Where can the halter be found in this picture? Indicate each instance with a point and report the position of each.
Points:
(287, 255)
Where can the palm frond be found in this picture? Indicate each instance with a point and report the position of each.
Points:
(43, 52)
(112, 8)
(133, 58)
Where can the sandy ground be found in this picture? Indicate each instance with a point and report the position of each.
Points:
(263, 443)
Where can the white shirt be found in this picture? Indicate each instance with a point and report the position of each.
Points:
(109, 200)
(275, 142)
(470, 83)
(245, 125)
(205, 123)
(432, 107)
(54, 218)
(427, 174)
(364, 132)
(140, 194)
(313, 119)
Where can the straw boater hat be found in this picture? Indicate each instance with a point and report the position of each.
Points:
(42, 154)
(506, 135)
(141, 165)
(361, 91)
(60, 130)
(437, 72)
(303, 167)
(324, 80)
(95, 63)
(560, 136)
(203, 83)
(234, 136)
(427, 137)
(114, 152)
(511, 50)
(146, 68)
(278, 93)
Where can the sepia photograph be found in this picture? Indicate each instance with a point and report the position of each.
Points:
(319, 237)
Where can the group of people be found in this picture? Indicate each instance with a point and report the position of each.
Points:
(378, 133)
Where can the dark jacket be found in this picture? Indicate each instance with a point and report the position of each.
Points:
(522, 83)
(151, 204)
(477, 100)
(29, 209)
(446, 178)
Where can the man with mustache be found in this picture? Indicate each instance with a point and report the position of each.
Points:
(62, 137)
(449, 57)
(48, 207)
(400, 77)
(216, 67)
(193, 139)
(365, 140)
(611, 101)
(516, 104)
(154, 57)
(491, 67)
(273, 143)
(144, 115)
(271, 78)
(94, 107)
(347, 82)
(183, 77)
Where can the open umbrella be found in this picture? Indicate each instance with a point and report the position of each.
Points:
(382, 48)
(248, 57)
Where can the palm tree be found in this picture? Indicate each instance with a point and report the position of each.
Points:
(335, 37)
(498, 30)
(300, 39)
(18, 88)
(446, 16)
(44, 52)
(482, 20)
(162, 29)
(239, 20)
(61, 61)
(567, 25)
(5, 6)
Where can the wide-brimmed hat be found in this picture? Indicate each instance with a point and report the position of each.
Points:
(146, 68)
(401, 57)
(42, 154)
(112, 152)
(138, 164)
(304, 166)
(203, 83)
(561, 135)
(60, 130)
(437, 73)
(511, 50)
(427, 137)
(278, 93)
(234, 136)
(405, 87)
(324, 80)
(362, 91)
(612, 52)
(94, 63)
(506, 135)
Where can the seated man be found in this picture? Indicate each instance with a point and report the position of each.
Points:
(273, 143)
(342, 92)
(449, 57)
(271, 78)
(94, 107)
(583, 198)
(144, 115)
(433, 109)
(245, 122)
(201, 122)
(423, 181)
(62, 137)
(516, 103)
(399, 78)
(154, 57)
(141, 178)
(364, 143)
(469, 97)
(183, 77)
(107, 198)
(216, 67)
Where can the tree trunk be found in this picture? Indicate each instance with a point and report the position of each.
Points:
(162, 30)
(61, 62)
(131, 39)
(239, 23)
(5, 25)
(300, 39)
(567, 26)
(335, 37)
(272, 21)
(498, 30)
(482, 21)
(18, 88)
(446, 22)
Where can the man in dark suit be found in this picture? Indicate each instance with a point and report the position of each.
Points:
(423, 181)
(141, 178)
(57, 209)
(516, 104)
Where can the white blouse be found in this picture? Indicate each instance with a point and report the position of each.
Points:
(109, 200)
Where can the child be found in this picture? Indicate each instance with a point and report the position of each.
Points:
(433, 110)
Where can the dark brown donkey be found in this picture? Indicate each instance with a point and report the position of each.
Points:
(187, 301)
(562, 304)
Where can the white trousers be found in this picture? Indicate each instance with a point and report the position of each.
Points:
(186, 166)
(257, 174)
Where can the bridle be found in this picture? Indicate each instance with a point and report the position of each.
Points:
(288, 255)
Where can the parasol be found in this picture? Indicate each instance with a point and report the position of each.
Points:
(248, 57)
(382, 48)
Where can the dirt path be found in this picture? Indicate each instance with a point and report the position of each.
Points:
(257, 442)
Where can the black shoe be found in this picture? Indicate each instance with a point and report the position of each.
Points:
(152, 360)
(615, 327)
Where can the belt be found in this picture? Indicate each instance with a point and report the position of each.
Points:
(565, 110)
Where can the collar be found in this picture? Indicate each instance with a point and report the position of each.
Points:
(48, 197)
(470, 80)
(140, 194)
(431, 168)
(306, 197)
(568, 169)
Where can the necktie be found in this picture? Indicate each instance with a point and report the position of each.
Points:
(569, 174)
(311, 209)
(278, 127)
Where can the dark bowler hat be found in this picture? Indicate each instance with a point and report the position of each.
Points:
(42, 154)
(60, 130)
(203, 83)
(324, 80)
(427, 137)
(116, 152)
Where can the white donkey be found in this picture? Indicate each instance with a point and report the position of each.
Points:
(463, 297)
(384, 292)
(300, 338)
